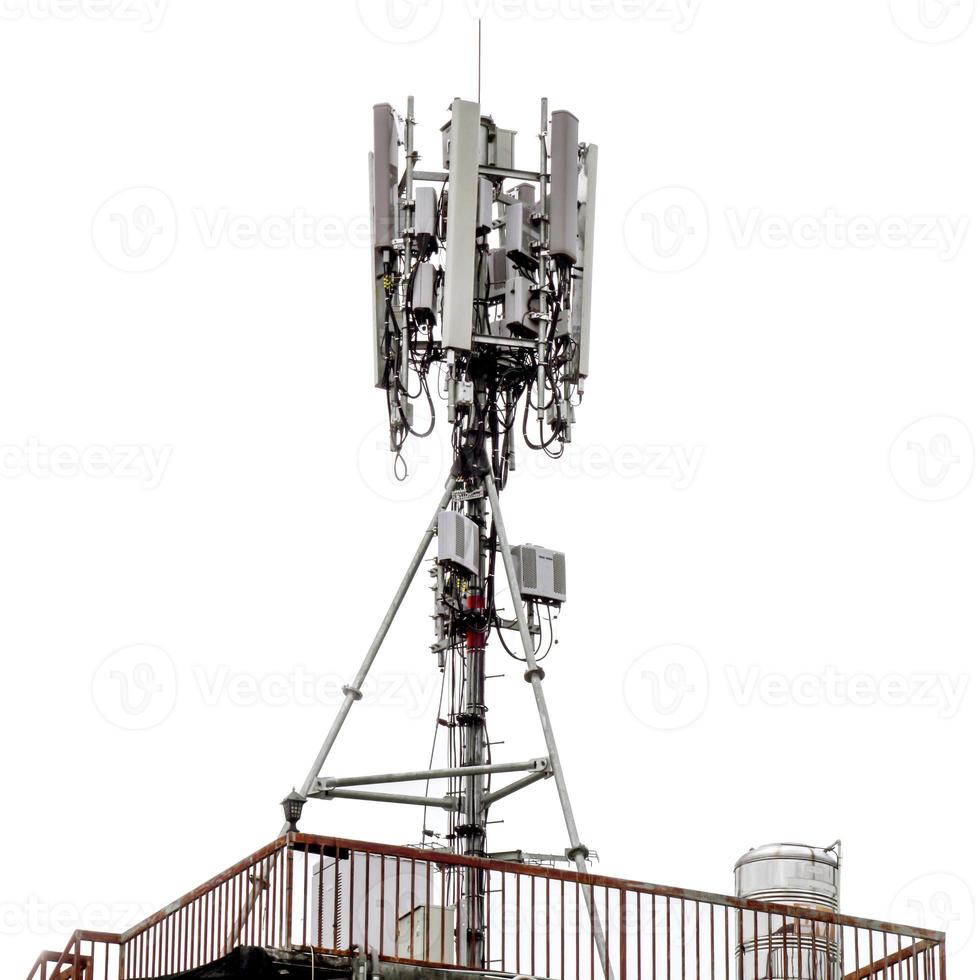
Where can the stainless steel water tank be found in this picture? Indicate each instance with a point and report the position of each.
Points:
(784, 947)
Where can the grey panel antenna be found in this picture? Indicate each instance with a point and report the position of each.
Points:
(517, 235)
(514, 238)
(517, 304)
(564, 185)
(464, 152)
(424, 293)
(425, 211)
(377, 293)
(499, 271)
(384, 226)
(484, 208)
(582, 300)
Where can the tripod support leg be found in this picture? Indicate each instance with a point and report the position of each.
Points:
(352, 692)
(577, 851)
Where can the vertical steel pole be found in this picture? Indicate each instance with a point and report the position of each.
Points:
(474, 836)
(409, 219)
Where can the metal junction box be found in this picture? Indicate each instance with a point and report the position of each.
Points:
(496, 144)
(428, 932)
(540, 572)
(459, 541)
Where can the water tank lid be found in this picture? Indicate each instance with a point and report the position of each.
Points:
(796, 852)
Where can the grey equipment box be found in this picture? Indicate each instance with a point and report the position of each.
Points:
(459, 541)
(496, 144)
(540, 573)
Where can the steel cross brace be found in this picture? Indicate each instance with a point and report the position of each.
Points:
(424, 775)
(335, 789)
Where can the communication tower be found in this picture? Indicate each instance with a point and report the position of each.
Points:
(481, 285)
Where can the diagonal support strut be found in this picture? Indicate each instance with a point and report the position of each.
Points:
(577, 851)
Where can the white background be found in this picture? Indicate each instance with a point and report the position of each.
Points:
(772, 560)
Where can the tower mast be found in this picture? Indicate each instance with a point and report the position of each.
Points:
(481, 271)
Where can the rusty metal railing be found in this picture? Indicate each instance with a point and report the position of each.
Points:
(332, 895)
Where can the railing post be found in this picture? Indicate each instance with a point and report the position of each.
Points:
(289, 891)
(740, 949)
(622, 935)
